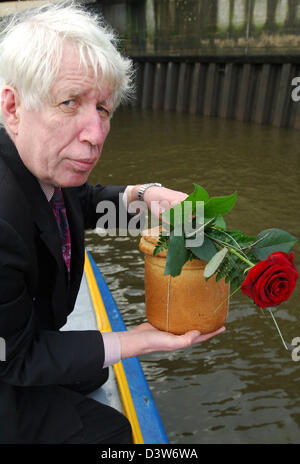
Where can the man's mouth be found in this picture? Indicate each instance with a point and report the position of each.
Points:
(83, 165)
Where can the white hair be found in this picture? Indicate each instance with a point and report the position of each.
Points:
(31, 46)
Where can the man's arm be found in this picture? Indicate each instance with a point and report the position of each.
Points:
(90, 197)
(145, 339)
(158, 199)
(36, 357)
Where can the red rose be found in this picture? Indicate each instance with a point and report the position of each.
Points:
(271, 281)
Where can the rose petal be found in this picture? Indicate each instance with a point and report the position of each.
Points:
(271, 281)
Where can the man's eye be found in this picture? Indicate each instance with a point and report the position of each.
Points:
(104, 112)
(68, 102)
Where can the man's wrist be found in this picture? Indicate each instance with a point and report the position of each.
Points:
(112, 348)
(129, 193)
(144, 187)
(132, 343)
(134, 191)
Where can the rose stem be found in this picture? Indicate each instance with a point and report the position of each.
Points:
(240, 256)
(227, 298)
(274, 320)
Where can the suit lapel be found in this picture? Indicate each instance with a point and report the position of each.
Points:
(41, 212)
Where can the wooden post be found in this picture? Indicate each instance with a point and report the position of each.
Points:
(245, 93)
(283, 103)
(295, 115)
(195, 80)
(171, 86)
(159, 85)
(211, 92)
(148, 85)
(227, 100)
(263, 101)
(138, 82)
(183, 87)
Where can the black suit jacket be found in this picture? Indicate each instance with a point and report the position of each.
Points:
(35, 300)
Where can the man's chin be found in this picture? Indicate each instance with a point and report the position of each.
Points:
(75, 180)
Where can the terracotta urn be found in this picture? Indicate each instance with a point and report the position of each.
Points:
(185, 302)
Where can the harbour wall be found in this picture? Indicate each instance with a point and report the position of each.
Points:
(224, 58)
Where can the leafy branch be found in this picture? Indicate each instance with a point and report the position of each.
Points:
(228, 253)
(162, 244)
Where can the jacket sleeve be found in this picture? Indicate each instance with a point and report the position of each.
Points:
(105, 202)
(35, 357)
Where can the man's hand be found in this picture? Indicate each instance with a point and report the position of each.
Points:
(158, 199)
(145, 339)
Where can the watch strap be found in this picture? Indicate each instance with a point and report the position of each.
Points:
(144, 187)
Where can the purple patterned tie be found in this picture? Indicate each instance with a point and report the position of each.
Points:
(59, 210)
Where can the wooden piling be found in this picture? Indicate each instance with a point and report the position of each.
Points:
(255, 92)
(262, 101)
(183, 90)
(228, 92)
(211, 92)
(159, 86)
(138, 84)
(194, 92)
(245, 100)
(148, 80)
(283, 103)
(171, 87)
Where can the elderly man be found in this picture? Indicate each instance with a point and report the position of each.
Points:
(61, 80)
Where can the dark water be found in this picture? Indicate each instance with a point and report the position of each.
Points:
(242, 386)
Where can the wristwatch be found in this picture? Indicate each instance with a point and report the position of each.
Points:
(144, 187)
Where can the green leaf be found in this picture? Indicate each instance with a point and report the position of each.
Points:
(219, 222)
(206, 251)
(162, 244)
(215, 262)
(271, 240)
(199, 194)
(177, 254)
(219, 277)
(176, 215)
(219, 205)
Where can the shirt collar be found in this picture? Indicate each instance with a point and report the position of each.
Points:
(47, 189)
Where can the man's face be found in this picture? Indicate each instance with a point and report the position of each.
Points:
(62, 142)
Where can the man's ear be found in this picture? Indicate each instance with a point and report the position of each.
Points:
(10, 102)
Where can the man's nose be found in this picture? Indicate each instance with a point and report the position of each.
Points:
(93, 129)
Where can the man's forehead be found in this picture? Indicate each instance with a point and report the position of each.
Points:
(74, 68)
(83, 85)
(62, 89)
